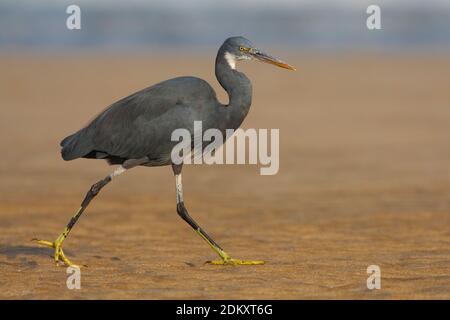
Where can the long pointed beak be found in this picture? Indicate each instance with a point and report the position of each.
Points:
(264, 57)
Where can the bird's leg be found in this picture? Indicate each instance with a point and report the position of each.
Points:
(183, 213)
(93, 191)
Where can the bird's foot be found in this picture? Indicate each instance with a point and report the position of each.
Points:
(227, 260)
(59, 255)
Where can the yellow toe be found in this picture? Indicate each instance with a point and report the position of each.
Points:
(44, 243)
(236, 262)
(59, 255)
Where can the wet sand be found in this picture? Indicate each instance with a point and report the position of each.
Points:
(364, 179)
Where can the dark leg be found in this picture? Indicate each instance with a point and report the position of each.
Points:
(93, 191)
(183, 213)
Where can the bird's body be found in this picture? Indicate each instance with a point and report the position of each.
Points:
(137, 130)
(141, 124)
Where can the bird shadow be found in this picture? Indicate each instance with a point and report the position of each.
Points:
(12, 252)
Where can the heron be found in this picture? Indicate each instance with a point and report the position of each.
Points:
(136, 131)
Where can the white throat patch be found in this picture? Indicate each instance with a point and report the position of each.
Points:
(231, 60)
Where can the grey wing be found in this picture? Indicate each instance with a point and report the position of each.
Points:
(139, 125)
(128, 128)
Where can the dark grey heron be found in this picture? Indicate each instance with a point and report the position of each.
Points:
(136, 131)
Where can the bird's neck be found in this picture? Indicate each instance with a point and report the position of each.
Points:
(235, 83)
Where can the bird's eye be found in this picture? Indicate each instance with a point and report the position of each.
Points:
(242, 49)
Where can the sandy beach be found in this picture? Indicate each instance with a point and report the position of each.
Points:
(364, 180)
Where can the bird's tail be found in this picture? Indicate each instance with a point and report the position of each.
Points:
(75, 146)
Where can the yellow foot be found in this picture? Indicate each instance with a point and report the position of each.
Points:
(59, 253)
(235, 262)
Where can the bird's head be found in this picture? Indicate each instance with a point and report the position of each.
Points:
(239, 48)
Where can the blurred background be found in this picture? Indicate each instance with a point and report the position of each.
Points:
(364, 151)
(308, 24)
